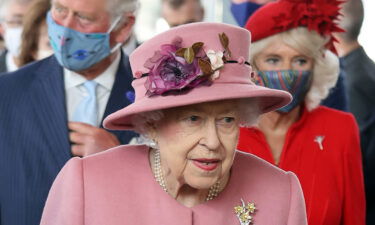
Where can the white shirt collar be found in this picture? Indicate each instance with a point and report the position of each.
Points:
(105, 79)
(11, 65)
(129, 47)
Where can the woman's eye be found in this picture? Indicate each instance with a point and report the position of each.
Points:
(193, 118)
(272, 60)
(301, 61)
(227, 121)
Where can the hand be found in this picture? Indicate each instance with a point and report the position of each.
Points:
(88, 139)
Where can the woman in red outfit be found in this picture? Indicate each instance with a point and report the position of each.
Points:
(293, 50)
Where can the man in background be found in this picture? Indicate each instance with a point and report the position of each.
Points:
(358, 68)
(11, 17)
(178, 12)
(53, 109)
(359, 72)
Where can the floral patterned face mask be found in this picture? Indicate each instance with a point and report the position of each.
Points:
(296, 82)
(78, 51)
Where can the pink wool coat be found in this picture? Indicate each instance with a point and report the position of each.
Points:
(117, 187)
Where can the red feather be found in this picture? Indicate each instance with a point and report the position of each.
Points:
(318, 15)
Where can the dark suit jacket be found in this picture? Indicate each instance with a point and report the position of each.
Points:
(3, 64)
(337, 98)
(360, 82)
(34, 143)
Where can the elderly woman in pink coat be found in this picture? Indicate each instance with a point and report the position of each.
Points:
(193, 92)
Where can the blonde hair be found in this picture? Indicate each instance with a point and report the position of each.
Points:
(310, 43)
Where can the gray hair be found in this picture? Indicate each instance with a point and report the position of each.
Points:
(311, 44)
(351, 20)
(118, 8)
(247, 108)
(4, 4)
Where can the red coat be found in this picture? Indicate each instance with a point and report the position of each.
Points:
(331, 177)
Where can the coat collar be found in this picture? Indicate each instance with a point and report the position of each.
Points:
(48, 100)
(49, 104)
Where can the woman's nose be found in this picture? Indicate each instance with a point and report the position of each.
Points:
(210, 137)
(286, 65)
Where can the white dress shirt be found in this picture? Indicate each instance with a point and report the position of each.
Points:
(130, 46)
(75, 92)
(11, 65)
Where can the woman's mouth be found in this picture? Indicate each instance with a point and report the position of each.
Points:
(206, 164)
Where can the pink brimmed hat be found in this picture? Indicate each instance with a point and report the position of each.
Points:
(190, 64)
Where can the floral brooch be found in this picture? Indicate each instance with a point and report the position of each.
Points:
(243, 212)
(174, 68)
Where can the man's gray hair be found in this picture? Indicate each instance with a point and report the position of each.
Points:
(352, 19)
(117, 8)
(4, 4)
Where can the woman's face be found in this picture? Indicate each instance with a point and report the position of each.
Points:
(279, 56)
(197, 143)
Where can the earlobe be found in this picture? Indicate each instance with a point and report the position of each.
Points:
(151, 131)
(152, 135)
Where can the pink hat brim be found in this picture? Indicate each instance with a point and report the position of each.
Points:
(268, 100)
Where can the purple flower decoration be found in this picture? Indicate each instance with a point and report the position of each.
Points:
(174, 68)
(169, 72)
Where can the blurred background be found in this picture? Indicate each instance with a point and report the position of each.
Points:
(150, 22)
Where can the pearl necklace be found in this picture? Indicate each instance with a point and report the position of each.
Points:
(212, 192)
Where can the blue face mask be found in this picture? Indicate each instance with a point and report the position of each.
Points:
(296, 82)
(241, 12)
(78, 51)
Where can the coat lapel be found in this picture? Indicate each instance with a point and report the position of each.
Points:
(120, 97)
(48, 96)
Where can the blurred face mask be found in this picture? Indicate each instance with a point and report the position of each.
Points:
(12, 40)
(296, 82)
(78, 51)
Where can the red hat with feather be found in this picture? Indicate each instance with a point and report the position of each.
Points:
(276, 17)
